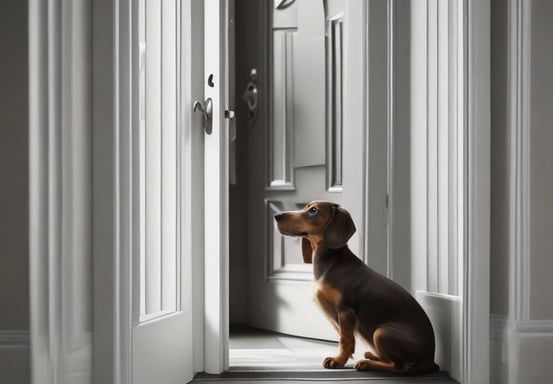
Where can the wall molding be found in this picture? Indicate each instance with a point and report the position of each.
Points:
(518, 345)
(465, 210)
(501, 325)
(519, 130)
(59, 184)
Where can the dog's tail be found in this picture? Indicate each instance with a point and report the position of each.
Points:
(424, 369)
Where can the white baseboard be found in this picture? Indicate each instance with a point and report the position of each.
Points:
(14, 357)
(520, 351)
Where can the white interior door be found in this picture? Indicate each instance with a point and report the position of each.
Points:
(311, 146)
(161, 321)
(180, 276)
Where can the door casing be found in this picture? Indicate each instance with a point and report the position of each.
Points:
(110, 338)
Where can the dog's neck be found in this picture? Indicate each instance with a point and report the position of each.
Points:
(323, 258)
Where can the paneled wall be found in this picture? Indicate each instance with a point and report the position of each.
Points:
(522, 186)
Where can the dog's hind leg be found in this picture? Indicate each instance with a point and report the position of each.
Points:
(393, 349)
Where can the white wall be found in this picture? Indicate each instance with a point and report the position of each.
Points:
(522, 186)
(14, 223)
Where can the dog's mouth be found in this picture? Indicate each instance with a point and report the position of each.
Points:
(293, 234)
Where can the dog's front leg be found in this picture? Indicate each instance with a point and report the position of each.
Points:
(347, 322)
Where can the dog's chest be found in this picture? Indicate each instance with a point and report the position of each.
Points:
(326, 294)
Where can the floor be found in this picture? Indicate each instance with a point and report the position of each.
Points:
(258, 356)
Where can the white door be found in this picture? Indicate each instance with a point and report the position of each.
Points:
(180, 273)
(308, 143)
(180, 316)
(161, 335)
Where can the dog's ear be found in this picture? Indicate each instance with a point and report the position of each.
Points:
(339, 230)
(307, 251)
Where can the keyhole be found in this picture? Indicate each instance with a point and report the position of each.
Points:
(210, 80)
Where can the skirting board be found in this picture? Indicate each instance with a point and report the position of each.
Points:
(444, 312)
(14, 357)
(520, 351)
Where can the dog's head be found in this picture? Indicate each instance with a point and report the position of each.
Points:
(318, 222)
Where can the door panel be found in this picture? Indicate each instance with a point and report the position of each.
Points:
(315, 111)
(160, 320)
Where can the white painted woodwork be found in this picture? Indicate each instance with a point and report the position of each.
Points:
(157, 156)
(60, 191)
(315, 149)
(147, 184)
(67, 160)
(476, 261)
(216, 182)
(450, 180)
(521, 326)
(161, 327)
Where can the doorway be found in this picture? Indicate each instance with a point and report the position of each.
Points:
(302, 133)
(412, 150)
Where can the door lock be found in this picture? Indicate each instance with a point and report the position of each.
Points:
(206, 108)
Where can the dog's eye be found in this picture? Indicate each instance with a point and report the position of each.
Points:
(312, 211)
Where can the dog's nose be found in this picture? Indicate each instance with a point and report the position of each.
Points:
(279, 216)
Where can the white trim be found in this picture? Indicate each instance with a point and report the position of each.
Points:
(112, 281)
(469, 170)
(216, 220)
(518, 347)
(123, 214)
(536, 327)
(476, 268)
(192, 86)
(59, 183)
(519, 154)
(38, 184)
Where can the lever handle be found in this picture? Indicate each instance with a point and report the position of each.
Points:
(206, 108)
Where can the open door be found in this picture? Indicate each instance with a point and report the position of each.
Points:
(148, 192)
(161, 322)
(179, 267)
(308, 143)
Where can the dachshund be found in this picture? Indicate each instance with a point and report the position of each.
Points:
(358, 300)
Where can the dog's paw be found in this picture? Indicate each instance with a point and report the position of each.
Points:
(334, 362)
(363, 365)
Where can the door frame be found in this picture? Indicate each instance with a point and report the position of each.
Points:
(476, 284)
(474, 189)
(111, 353)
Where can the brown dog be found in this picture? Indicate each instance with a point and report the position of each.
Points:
(358, 299)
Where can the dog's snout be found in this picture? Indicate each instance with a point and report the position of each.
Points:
(279, 216)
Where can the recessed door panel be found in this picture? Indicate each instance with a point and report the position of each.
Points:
(312, 44)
